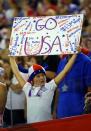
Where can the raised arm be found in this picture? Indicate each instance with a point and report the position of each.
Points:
(16, 72)
(68, 66)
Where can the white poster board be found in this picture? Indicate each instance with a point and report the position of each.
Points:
(45, 35)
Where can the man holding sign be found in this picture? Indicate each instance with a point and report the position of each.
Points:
(39, 94)
(51, 35)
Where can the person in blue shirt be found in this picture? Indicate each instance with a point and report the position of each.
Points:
(73, 87)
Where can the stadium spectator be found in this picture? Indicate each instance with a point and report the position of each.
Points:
(38, 93)
(74, 87)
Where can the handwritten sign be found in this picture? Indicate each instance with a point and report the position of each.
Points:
(49, 35)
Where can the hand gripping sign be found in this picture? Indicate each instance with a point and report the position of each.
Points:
(45, 35)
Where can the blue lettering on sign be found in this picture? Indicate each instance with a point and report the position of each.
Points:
(19, 20)
(70, 24)
(29, 25)
(63, 17)
(16, 41)
(74, 32)
(35, 41)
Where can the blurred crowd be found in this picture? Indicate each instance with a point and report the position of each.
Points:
(25, 8)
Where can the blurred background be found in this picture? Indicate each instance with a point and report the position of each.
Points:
(26, 8)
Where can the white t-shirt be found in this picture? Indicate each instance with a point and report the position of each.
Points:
(14, 100)
(39, 103)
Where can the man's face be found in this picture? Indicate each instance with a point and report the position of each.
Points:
(39, 80)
